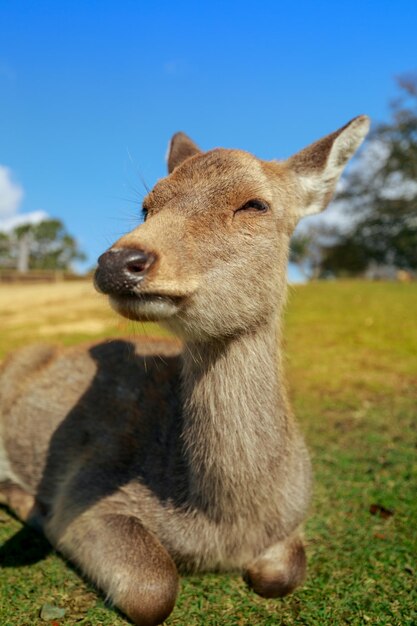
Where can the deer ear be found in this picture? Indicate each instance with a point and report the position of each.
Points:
(180, 148)
(319, 166)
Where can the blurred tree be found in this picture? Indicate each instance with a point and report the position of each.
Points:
(380, 194)
(6, 259)
(306, 253)
(344, 258)
(46, 245)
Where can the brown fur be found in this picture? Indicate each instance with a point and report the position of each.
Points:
(134, 457)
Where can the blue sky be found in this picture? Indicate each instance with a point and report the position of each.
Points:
(90, 93)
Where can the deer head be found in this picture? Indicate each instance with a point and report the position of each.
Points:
(210, 258)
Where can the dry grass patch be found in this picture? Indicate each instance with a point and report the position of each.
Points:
(64, 313)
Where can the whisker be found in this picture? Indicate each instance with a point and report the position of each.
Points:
(138, 172)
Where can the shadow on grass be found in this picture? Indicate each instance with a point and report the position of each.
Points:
(26, 547)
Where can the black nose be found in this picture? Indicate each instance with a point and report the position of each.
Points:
(120, 270)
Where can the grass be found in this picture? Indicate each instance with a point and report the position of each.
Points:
(352, 365)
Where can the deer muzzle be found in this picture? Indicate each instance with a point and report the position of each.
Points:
(121, 270)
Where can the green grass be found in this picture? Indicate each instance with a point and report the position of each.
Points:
(352, 367)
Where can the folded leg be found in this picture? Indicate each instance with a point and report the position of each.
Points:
(125, 560)
(278, 570)
(22, 503)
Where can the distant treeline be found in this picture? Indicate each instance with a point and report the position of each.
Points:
(8, 276)
(43, 246)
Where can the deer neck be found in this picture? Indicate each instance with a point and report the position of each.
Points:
(235, 420)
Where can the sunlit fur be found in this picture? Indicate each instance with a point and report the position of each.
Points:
(156, 308)
(136, 459)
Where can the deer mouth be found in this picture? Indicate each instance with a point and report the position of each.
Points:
(146, 306)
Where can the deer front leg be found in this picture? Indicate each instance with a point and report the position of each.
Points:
(125, 560)
(22, 503)
(278, 570)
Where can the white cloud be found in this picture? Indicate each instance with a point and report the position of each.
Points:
(398, 187)
(11, 196)
(34, 217)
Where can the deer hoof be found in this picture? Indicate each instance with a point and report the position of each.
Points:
(278, 571)
(150, 604)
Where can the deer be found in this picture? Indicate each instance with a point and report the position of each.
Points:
(141, 459)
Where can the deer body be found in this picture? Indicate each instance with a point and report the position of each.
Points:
(135, 459)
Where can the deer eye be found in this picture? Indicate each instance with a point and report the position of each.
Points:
(144, 213)
(255, 205)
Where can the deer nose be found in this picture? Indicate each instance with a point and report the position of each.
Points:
(120, 270)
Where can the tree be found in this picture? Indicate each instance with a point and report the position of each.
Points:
(5, 252)
(46, 245)
(306, 252)
(380, 193)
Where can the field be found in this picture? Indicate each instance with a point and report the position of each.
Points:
(352, 366)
